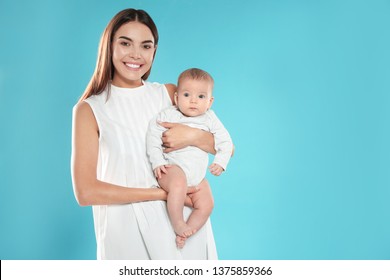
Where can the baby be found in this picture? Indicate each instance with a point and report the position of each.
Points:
(177, 170)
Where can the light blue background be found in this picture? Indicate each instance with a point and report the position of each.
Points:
(303, 87)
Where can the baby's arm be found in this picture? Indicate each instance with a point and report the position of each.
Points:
(223, 145)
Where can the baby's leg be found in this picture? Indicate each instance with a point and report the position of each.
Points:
(203, 205)
(174, 182)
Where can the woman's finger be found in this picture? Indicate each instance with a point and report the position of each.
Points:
(192, 189)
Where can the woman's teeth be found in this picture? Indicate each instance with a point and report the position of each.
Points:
(133, 65)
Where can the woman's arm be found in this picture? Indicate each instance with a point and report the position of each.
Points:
(179, 136)
(88, 190)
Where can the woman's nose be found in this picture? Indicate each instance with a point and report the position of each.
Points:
(135, 52)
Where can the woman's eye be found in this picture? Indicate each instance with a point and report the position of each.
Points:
(148, 47)
(126, 44)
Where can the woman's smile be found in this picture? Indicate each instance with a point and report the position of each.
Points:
(133, 66)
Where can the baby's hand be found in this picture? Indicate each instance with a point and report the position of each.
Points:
(161, 169)
(216, 169)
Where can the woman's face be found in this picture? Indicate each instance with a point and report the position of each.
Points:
(132, 54)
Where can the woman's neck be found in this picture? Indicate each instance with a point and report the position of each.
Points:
(126, 83)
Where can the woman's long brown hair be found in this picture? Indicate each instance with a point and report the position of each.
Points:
(104, 70)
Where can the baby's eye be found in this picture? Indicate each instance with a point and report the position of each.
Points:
(186, 94)
(202, 96)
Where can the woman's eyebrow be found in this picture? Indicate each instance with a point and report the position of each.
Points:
(129, 39)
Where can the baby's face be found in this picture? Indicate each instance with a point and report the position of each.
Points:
(194, 97)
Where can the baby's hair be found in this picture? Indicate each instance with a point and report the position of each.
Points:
(196, 74)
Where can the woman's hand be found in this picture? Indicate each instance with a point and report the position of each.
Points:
(178, 136)
(202, 190)
(190, 190)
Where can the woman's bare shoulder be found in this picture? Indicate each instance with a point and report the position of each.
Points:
(171, 88)
(82, 112)
(82, 108)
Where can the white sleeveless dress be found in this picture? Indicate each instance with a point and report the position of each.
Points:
(138, 230)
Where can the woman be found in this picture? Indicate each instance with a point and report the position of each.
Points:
(110, 169)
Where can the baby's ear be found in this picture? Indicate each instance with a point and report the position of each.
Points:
(211, 101)
(175, 98)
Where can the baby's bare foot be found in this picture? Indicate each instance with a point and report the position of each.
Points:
(184, 230)
(180, 241)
